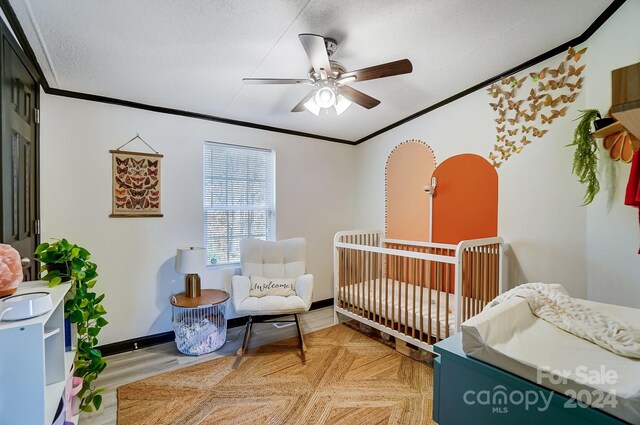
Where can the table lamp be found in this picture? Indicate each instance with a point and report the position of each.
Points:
(190, 261)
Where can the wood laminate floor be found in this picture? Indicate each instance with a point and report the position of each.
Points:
(135, 365)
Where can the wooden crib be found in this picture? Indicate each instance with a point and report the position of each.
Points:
(419, 292)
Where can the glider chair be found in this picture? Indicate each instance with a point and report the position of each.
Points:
(273, 283)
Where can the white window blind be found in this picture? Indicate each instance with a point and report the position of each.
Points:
(238, 198)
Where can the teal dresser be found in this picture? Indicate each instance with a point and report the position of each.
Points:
(469, 391)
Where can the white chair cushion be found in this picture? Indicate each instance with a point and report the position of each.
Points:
(271, 304)
(242, 286)
(284, 258)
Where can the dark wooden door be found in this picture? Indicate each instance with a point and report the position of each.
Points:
(19, 159)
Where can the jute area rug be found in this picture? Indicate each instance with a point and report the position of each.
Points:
(347, 378)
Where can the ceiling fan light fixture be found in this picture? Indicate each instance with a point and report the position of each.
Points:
(342, 103)
(312, 106)
(325, 97)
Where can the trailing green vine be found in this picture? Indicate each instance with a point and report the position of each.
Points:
(83, 308)
(585, 157)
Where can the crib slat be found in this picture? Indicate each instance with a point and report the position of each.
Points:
(447, 284)
(472, 283)
(422, 268)
(429, 274)
(478, 281)
(438, 294)
(415, 285)
(341, 276)
(404, 283)
(353, 281)
(485, 277)
(467, 268)
(374, 268)
(368, 279)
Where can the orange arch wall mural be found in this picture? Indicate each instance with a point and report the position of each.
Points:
(409, 168)
(465, 205)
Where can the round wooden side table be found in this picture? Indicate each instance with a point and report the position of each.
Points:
(200, 323)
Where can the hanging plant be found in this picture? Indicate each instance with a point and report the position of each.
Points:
(585, 157)
(62, 261)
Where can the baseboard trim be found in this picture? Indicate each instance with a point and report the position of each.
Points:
(164, 337)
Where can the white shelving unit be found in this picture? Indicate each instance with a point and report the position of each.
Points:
(34, 366)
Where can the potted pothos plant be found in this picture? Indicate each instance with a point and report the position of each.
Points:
(63, 261)
(585, 157)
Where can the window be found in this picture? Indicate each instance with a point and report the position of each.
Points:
(238, 199)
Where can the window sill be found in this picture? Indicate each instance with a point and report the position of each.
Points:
(222, 266)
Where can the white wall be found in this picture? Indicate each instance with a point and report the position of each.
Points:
(135, 257)
(613, 262)
(539, 200)
(591, 250)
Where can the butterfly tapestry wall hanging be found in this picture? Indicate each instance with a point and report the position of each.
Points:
(136, 182)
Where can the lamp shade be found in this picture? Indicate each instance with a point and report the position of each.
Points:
(190, 260)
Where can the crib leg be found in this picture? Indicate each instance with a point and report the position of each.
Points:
(247, 337)
(303, 347)
(336, 319)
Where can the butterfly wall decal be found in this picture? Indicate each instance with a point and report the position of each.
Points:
(539, 133)
(576, 86)
(536, 76)
(552, 90)
(558, 71)
(534, 97)
(575, 71)
(558, 84)
(572, 54)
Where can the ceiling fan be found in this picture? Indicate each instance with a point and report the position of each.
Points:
(329, 78)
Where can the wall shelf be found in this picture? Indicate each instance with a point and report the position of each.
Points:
(616, 127)
(50, 332)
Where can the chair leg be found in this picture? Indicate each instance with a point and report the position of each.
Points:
(247, 337)
(303, 346)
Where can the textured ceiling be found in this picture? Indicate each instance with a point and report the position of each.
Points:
(192, 55)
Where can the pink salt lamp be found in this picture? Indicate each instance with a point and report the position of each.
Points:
(10, 270)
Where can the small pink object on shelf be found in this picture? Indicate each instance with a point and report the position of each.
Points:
(10, 270)
(72, 402)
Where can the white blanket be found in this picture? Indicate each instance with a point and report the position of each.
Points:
(551, 303)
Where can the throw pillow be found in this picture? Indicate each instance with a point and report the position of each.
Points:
(262, 286)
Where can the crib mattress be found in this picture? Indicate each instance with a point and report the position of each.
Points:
(368, 295)
(510, 337)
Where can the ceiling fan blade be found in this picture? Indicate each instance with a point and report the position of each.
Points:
(356, 96)
(389, 69)
(316, 50)
(300, 106)
(276, 81)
